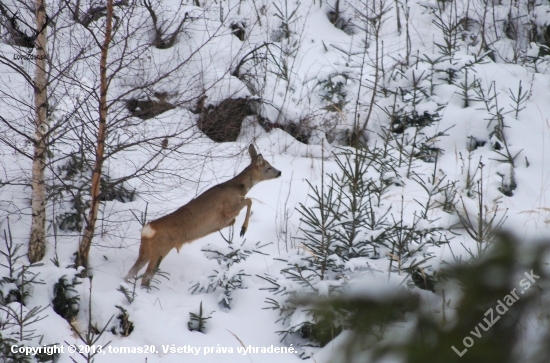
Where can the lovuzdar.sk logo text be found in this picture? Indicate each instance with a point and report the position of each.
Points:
(28, 57)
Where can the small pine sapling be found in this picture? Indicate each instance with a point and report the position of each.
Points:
(197, 322)
(130, 295)
(155, 279)
(484, 227)
(498, 136)
(333, 91)
(409, 242)
(357, 204)
(19, 286)
(433, 63)
(125, 326)
(66, 301)
(227, 277)
(447, 197)
(448, 24)
(9, 292)
(321, 234)
(92, 334)
(466, 87)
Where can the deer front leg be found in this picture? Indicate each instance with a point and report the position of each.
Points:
(248, 203)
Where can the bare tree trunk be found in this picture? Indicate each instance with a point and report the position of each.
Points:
(378, 27)
(84, 248)
(37, 243)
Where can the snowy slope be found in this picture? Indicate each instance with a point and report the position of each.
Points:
(298, 80)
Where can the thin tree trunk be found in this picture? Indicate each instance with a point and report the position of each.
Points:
(84, 248)
(37, 243)
(376, 67)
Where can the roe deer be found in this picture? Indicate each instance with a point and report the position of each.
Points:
(211, 211)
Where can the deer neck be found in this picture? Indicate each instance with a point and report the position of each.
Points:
(245, 179)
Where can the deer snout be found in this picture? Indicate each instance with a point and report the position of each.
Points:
(278, 175)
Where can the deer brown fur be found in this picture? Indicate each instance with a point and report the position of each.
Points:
(211, 211)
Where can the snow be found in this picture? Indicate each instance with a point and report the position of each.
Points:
(202, 62)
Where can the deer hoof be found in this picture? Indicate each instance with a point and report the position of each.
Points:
(243, 231)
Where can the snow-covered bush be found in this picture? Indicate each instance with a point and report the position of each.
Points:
(66, 301)
(228, 276)
(482, 309)
(346, 225)
(125, 326)
(17, 317)
(73, 193)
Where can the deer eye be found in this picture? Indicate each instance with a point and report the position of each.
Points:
(268, 168)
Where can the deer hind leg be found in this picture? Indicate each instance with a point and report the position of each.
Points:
(142, 259)
(154, 262)
(248, 203)
(158, 253)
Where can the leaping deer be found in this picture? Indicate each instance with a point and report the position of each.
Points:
(211, 211)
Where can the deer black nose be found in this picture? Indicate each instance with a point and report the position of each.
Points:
(278, 175)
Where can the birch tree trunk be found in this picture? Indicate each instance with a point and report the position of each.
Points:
(37, 243)
(86, 242)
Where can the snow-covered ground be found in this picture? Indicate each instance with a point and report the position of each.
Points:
(305, 67)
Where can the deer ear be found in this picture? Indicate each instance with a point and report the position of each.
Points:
(259, 160)
(252, 151)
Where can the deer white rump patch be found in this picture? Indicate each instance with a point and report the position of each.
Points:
(148, 231)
